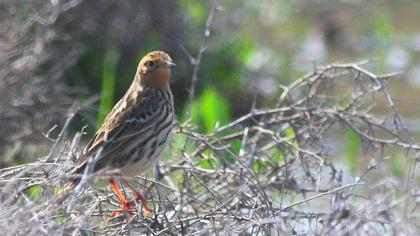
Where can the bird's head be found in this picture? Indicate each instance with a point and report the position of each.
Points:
(154, 69)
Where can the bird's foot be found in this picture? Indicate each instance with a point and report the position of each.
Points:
(128, 207)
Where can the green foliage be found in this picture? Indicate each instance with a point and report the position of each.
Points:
(210, 162)
(34, 192)
(195, 10)
(351, 149)
(243, 49)
(108, 83)
(236, 146)
(396, 165)
(210, 108)
(344, 102)
(214, 108)
(277, 156)
(259, 165)
(290, 133)
(382, 27)
(227, 61)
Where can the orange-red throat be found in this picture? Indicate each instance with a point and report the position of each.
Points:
(155, 69)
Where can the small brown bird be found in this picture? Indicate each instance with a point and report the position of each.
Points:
(136, 130)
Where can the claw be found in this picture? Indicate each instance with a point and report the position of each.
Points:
(127, 206)
(139, 196)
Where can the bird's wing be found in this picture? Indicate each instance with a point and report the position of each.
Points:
(124, 123)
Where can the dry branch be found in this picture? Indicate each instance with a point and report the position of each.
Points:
(283, 178)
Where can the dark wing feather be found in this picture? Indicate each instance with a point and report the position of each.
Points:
(129, 117)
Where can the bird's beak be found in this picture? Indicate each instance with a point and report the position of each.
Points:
(170, 64)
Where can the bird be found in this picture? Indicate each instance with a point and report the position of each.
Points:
(134, 132)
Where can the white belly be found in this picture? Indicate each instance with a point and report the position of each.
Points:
(137, 168)
(144, 164)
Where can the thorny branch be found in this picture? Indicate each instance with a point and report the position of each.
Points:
(272, 171)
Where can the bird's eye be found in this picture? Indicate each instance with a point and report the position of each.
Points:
(151, 64)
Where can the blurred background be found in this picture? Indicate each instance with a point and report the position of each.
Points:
(56, 54)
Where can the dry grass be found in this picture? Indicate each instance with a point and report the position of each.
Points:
(272, 171)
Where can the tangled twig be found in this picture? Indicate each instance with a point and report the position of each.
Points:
(273, 170)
